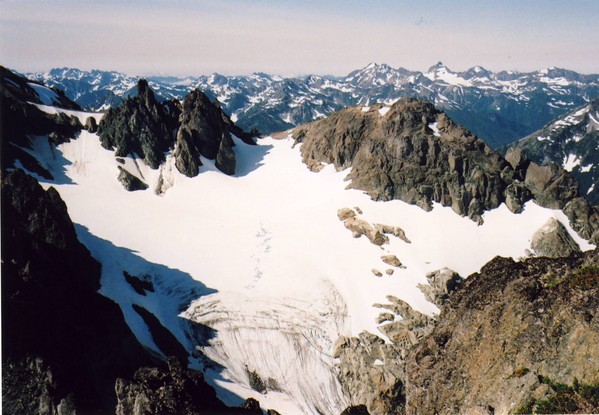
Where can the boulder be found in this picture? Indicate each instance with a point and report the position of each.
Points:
(553, 240)
(440, 284)
(391, 260)
(345, 213)
(91, 125)
(130, 182)
(225, 158)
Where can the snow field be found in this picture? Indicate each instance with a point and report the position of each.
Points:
(274, 271)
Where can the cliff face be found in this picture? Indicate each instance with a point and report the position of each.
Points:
(63, 344)
(409, 151)
(510, 328)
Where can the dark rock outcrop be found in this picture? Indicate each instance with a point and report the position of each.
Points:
(510, 326)
(355, 410)
(415, 153)
(170, 391)
(91, 125)
(551, 187)
(148, 128)
(584, 218)
(130, 182)
(173, 390)
(206, 130)
(225, 158)
(398, 155)
(20, 119)
(141, 125)
(56, 327)
(19, 88)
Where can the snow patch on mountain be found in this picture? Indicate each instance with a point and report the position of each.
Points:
(571, 161)
(45, 94)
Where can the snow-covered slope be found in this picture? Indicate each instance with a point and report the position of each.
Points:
(256, 271)
(498, 107)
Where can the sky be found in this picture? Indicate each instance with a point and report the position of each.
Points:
(297, 37)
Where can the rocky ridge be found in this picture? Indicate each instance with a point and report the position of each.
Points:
(47, 272)
(141, 125)
(499, 107)
(510, 326)
(413, 152)
(145, 127)
(22, 118)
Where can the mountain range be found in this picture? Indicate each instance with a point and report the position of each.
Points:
(368, 262)
(572, 142)
(499, 107)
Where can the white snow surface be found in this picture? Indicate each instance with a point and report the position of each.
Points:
(384, 110)
(45, 94)
(571, 161)
(262, 258)
(433, 126)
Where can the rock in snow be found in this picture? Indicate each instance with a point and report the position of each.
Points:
(552, 240)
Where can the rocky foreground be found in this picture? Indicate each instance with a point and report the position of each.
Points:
(511, 331)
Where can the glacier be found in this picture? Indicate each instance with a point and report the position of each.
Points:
(255, 273)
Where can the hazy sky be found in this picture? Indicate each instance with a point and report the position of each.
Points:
(187, 37)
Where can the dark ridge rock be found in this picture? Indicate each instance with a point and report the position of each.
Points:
(225, 159)
(62, 341)
(187, 156)
(198, 127)
(170, 391)
(91, 125)
(141, 126)
(130, 182)
(36, 387)
(164, 339)
(570, 137)
(18, 88)
(399, 156)
(205, 130)
(19, 120)
(251, 406)
(509, 326)
(204, 123)
(355, 410)
(141, 285)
